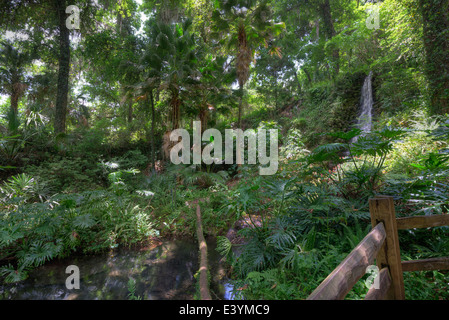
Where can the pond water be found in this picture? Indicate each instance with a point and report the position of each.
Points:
(161, 273)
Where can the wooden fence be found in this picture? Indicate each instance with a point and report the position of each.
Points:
(382, 245)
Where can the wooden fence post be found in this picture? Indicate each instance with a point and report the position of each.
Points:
(382, 210)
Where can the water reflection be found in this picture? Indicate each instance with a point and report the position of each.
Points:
(165, 272)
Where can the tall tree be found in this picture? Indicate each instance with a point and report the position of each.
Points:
(244, 26)
(173, 55)
(435, 14)
(12, 73)
(45, 22)
(165, 11)
(148, 70)
(102, 53)
(64, 67)
(210, 88)
(329, 30)
(169, 63)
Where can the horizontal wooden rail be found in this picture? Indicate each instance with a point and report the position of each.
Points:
(436, 220)
(384, 286)
(426, 264)
(337, 285)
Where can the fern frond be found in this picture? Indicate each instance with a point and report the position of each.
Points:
(224, 246)
(85, 221)
(38, 253)
(12, 275)
(10, 234)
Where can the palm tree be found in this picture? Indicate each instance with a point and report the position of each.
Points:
(209, 88)
(177, 50)
(168, 63)
(12, 73)
(245, 25)
(147, 71)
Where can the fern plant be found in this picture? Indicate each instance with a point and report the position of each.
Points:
(10, 148)
(38, 252)
(356, 166)
(21, 186)
(13, 274)
(195, 175)
(132, 290)
(353, 235)
(33, 233)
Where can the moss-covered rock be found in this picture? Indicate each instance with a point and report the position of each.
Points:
(346, 104)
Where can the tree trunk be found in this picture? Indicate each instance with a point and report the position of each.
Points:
(130, 112)
(298, 82)
(175, 106)
(204, 115)
(64, 69)
(308, 75)
(15, 99)
(239, 123)
(436, 42)
(243, 62)
(153, 159)
(329, 31)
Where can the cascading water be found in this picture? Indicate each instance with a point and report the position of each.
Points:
(364, 121)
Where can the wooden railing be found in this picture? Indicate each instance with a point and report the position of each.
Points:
(382, 245)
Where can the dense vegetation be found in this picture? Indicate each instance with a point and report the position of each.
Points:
(86, 115)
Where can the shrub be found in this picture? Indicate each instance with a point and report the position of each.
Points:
(68, 174)
(34, 231)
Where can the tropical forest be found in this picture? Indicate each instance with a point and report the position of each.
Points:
(224, 149)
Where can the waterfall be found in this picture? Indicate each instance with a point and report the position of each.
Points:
(364, 121)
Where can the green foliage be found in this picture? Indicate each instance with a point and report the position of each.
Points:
(90, 188)
(310, 225)
(88, 143)
(292, 281)
(224, 246)
(68, 174)
(201, 176)
(43, 235)
(245, 199)
(132, 290)
(10, 148)
(359, 173)
(422, 153)
(293, 146)
(22, 188)
(35, 229)
(116, 179)
(132, 159)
